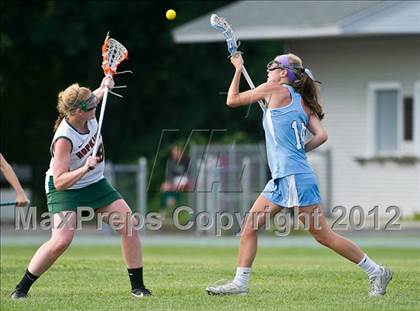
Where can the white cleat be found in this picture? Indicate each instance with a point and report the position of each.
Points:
(379, 283)
(227, 289)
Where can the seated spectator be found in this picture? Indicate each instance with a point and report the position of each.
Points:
(176, 179)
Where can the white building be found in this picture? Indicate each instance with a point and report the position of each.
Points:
(367, 55)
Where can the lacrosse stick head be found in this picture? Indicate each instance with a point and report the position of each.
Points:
(220, 24)
(113, 54)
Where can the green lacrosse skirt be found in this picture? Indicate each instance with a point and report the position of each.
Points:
(96, 195)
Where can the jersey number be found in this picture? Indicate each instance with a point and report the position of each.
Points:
(300, 139)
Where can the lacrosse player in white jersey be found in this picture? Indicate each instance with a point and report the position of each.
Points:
(75, 179)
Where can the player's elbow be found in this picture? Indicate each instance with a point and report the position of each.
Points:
(324, 137)
(233, 100)
(59, 185)
(231, 103)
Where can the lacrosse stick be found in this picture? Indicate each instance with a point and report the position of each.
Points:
(113, 54)
(119, 86)
(219, 23)
(14, 203)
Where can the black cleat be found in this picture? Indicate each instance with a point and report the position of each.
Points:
(18, 294)
(141, 292)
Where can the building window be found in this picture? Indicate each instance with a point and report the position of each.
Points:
(394, 120)
(386, 107)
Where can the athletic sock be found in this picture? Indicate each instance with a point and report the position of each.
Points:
(242, 276)
(27, 281)
(136, 278)
(369, 266)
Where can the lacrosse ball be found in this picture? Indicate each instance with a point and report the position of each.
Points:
(170, 14)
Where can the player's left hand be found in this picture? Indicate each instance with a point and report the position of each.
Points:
(237, 61)
(91, 163)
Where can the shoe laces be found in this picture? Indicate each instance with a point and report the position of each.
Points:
(374, 286)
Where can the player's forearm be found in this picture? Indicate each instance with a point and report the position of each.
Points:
(66, 180)
(233, 98)
(99, 92)
(315, 142)
(107, 83)
(11, 177)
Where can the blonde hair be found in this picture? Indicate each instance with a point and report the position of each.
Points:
(69, 100)
(306, 87)
(294, 59)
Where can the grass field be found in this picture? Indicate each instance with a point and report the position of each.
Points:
(94, 278)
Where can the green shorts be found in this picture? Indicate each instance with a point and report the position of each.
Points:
(97, 195)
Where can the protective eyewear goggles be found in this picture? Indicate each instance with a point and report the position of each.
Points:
(89, 104)
(273, 65)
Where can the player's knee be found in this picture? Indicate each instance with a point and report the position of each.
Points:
(58, 246)
(321, 237)
(130, 226)
(248, 231)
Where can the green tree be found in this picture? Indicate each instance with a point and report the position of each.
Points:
(47, 45)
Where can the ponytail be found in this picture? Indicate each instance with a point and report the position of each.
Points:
(61, 107)
(58, 121)
(306, 87)
(303, 81)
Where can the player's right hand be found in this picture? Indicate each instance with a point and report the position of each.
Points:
(108, 82)
(91, 162)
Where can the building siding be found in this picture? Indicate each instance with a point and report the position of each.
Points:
(346, 67)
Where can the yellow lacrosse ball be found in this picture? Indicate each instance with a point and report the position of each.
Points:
(170, 14)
